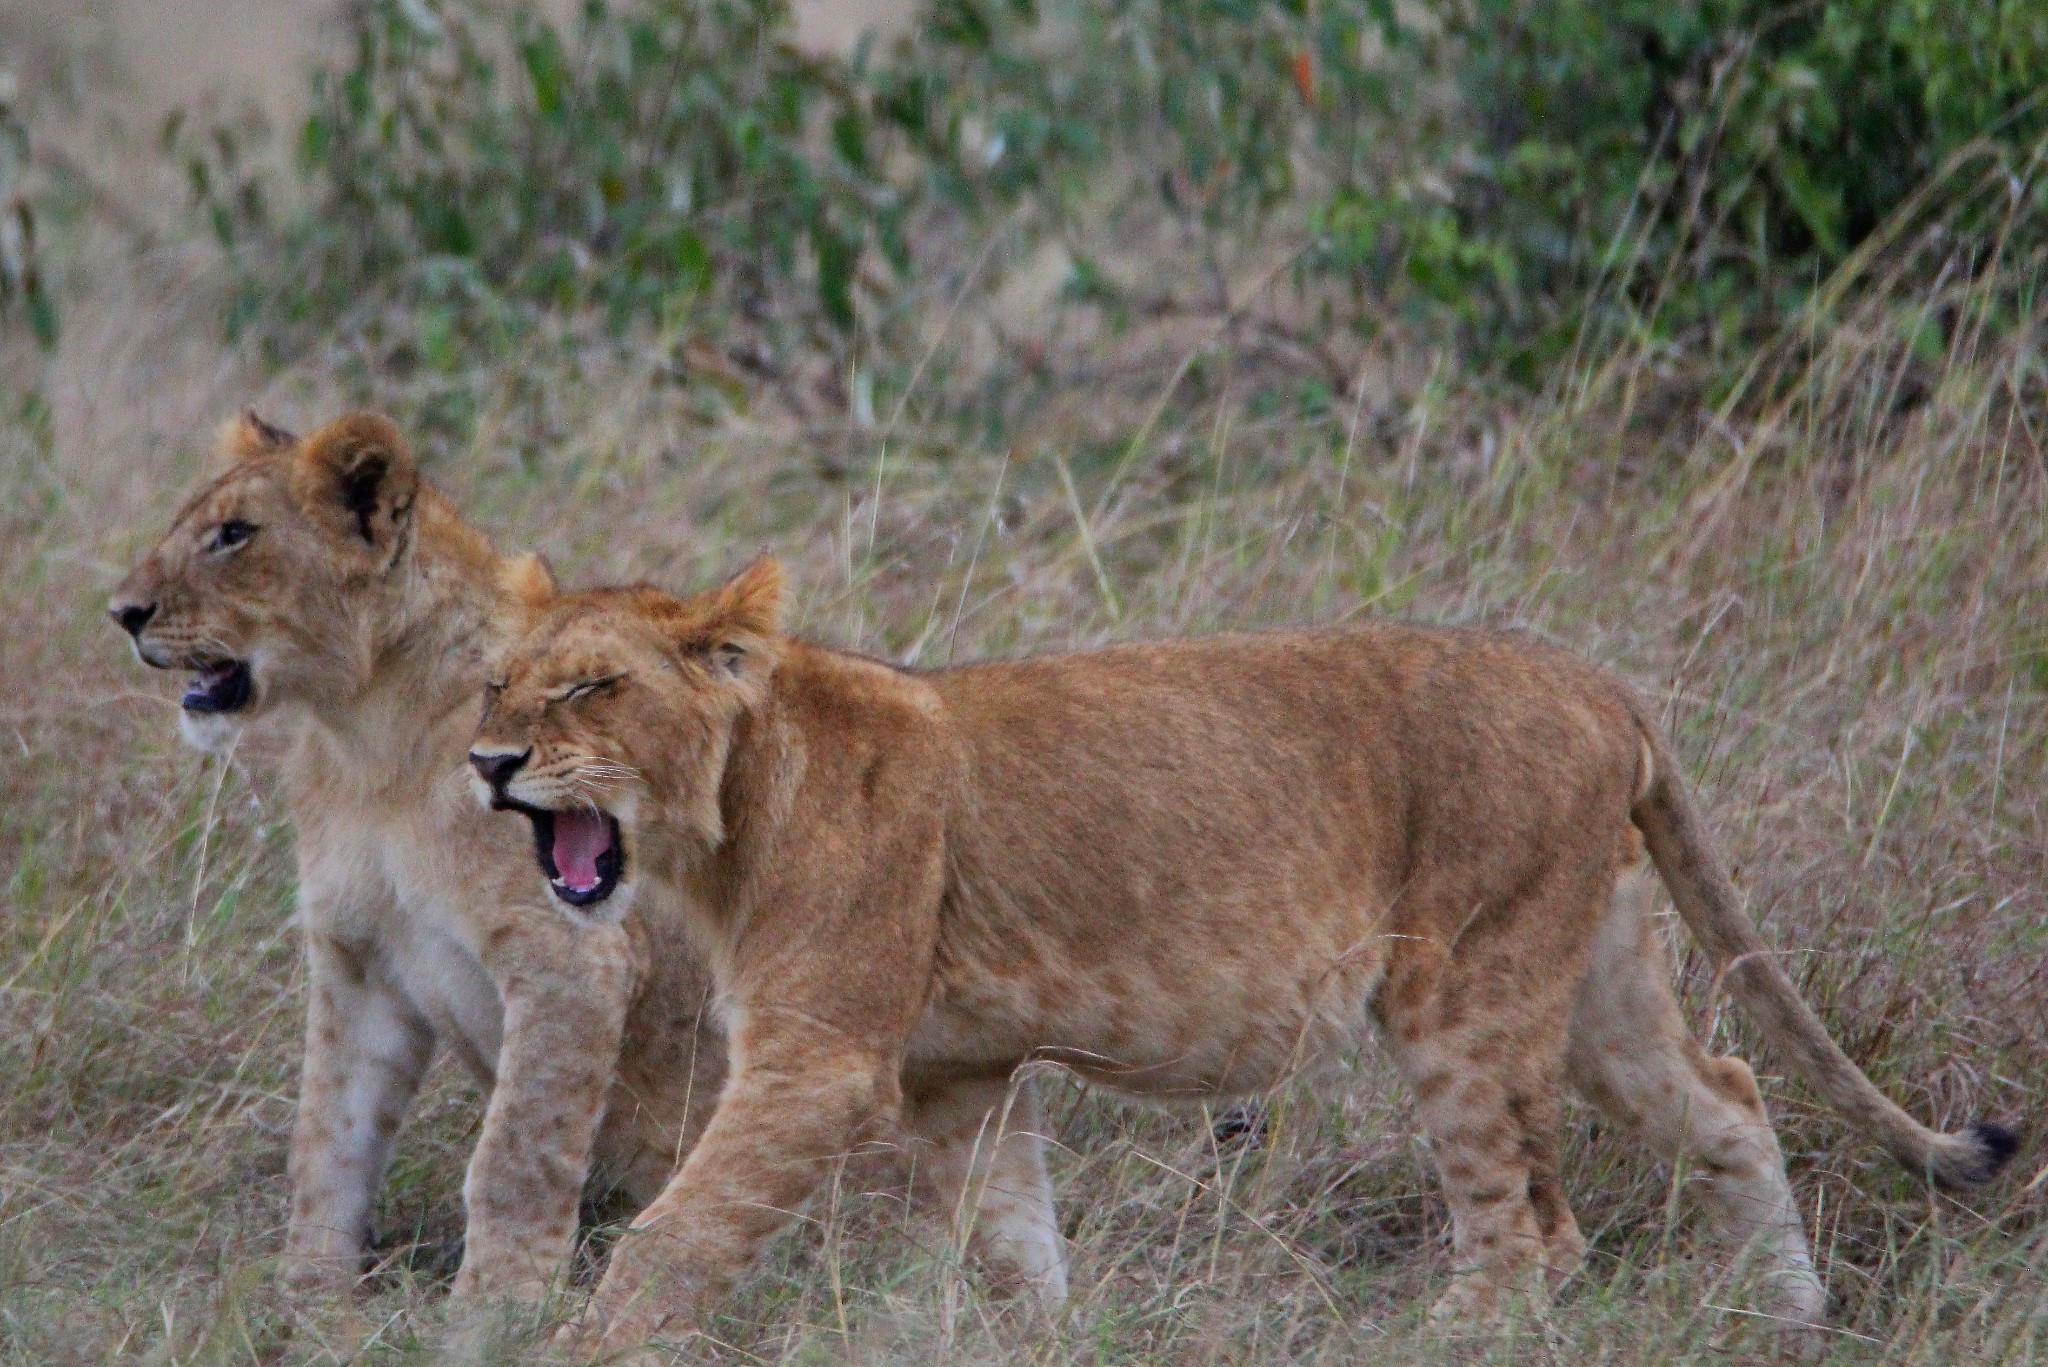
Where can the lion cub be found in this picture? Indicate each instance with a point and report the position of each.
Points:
(1177, 868)
(319, 588)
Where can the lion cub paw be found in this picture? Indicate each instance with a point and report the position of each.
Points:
(1479, 1300)
(615, 1340)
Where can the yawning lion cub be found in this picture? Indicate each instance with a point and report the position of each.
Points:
(1180, 868)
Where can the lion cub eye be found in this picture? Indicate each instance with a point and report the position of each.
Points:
(230, 534)
(590, 686)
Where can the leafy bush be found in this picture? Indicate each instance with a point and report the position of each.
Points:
(21, 279)
(632, 163)
(1212, 98)
(1501, 162)
(1736, 150)
(1507, 167)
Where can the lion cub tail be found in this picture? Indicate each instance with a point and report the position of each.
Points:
(1686, 857)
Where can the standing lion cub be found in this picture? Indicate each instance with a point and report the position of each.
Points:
(320, 589)
(1179, 869)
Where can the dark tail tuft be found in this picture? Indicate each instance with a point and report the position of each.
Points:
(2000, 1144)
(1991, 1147)
(1243, 1123)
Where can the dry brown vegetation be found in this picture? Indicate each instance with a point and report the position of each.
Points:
(1830, 586)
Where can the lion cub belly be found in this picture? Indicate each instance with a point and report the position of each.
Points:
(1164, 1024)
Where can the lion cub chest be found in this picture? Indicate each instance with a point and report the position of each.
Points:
(413, 903)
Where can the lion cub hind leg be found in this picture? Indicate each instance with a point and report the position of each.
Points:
(979, 1159)
(1481, 1041)
(1633, 1057)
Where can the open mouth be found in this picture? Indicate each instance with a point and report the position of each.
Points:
(579, 850)
(223, 687)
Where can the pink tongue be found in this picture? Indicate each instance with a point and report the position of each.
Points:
(580, 837)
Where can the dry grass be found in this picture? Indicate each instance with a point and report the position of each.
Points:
(1833, 590)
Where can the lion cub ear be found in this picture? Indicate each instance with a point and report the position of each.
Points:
(530, 578)
(245, 436)
(737, 625)
(751, 601)
(357, 478)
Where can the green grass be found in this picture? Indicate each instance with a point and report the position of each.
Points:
(1833, 596)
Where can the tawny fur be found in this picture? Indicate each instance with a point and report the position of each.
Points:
(1179, 869)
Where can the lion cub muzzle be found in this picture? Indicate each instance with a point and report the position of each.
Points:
(220, 683)
(581, 849)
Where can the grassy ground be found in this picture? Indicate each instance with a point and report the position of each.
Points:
(1833, 596)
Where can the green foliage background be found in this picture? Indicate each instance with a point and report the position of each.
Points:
(1493, 167)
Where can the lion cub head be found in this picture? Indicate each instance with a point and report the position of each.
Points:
(609, 726)
(259, 587)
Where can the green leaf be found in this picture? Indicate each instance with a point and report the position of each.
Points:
(42, 312)
(692, 261)
(837, 258)
(1820, 209)
(314, 141)
(548, 69)
(850, 137)
(356, 93)
(447, 230)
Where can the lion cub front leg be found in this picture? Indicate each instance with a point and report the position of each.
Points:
(565, 1000)
(792, 1105)
(366, 1049)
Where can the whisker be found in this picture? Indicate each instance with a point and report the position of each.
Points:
(600, 762)
(585, 790)
(598, 775)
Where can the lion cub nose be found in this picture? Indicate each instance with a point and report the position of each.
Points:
(496, 767)
(132, 617)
